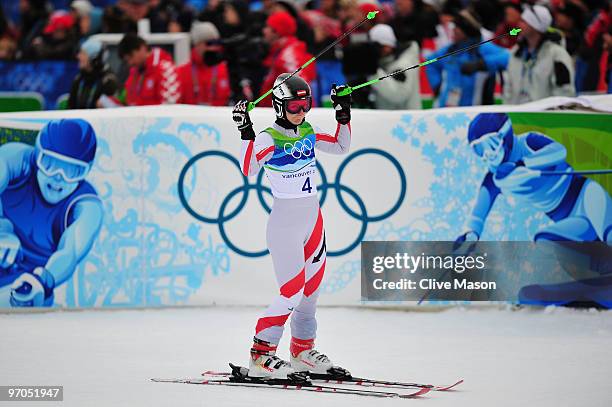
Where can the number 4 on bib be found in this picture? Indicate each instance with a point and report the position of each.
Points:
(306, 187)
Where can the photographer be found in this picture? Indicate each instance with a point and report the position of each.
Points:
(95, 85)
(242, 46)
(402, 90)
(204, 79)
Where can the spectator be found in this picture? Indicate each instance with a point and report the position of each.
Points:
(58, 41)
(413, 21)
(489, 12)
(287, 53)
(8, 35)
(89, 18)
(303, 32)
(213, 12)
(153, 79)
(95, 85)
(348, 13)
(569, 19)
(235, 18)
(34, 15)
(400, 91)
(244, 48)
(326, 31)
(330, 8)
(468, 78)
(596, 40)
(512, 16)
(538, 67)
(205, 78)
(124, 15)
(170, 16)
(445, 27)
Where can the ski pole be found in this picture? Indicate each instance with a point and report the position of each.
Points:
(369, 16)
(349, 89)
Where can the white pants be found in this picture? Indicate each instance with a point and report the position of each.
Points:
(296, 240)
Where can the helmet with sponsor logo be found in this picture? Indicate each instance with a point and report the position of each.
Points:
(292, 96)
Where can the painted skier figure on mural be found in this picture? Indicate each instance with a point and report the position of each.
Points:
(295, 233)
(50, 215)
(580, 208)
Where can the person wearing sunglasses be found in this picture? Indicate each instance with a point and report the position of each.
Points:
(295, 233)
(50, 215)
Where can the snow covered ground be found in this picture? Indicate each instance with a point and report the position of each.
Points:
(553, 357)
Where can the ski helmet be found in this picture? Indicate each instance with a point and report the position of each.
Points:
(293, 89)
(486, 125)
(67, 146)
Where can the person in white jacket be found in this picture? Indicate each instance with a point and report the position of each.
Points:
(400, 91)
(538, 67)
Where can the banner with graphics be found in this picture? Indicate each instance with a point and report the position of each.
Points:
(163, 215)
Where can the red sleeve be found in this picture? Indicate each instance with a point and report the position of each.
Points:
(130, 97)
(169, 85)
(186, 83)
(597, 28)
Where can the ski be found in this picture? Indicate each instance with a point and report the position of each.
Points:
(360, 381)
(305, 386)
(373, 382)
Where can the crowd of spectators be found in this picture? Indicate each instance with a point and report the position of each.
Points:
(239, 47)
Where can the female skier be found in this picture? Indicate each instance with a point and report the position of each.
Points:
(295, 234)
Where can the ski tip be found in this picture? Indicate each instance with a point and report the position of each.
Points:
(422, 391)
(447, 388)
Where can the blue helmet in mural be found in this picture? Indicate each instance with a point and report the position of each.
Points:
(74, 138)
(66, 147)
(491, 137)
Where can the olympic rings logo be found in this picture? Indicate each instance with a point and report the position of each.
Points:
(299, 148)
(337, 186)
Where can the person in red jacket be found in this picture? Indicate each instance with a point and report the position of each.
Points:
(204, 79)
(287, 53)
(153, 79)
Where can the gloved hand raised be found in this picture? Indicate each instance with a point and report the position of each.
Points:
(342, 104)
(240, 114)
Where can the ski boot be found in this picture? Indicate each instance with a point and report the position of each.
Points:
(265, 365)
(304, 358)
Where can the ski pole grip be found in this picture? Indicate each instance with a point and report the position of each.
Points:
(346, 91)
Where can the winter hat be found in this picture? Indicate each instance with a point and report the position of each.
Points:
(467, 23)
(59, 20)
(282, 23)
(203, 32)
(91, 47)
(538, 17)
(384, 35)
(367, 7)
(82, 7)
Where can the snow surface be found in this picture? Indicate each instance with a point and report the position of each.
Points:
(551, 357)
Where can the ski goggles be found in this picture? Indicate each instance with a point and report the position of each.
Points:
(490, 142)
(294, 106)
(52, 163)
